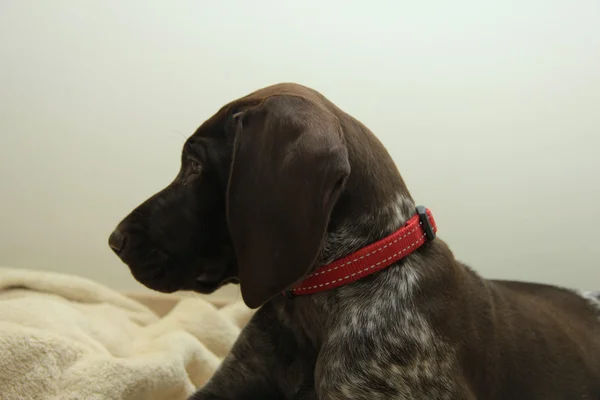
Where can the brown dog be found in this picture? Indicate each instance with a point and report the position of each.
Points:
(280, 183)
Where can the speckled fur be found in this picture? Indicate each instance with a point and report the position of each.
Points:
(382, 346)
(357, 357)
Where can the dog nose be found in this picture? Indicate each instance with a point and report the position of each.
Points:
(116, 241)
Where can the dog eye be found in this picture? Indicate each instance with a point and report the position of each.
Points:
(196, 166)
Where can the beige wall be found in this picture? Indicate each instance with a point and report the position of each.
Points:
(492, 112)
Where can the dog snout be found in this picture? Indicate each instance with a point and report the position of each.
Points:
(117, 241)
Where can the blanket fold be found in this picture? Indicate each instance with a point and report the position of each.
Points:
(64, 337)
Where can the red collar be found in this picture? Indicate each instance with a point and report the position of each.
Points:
(375, 257)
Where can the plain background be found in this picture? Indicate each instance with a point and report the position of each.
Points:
(490, 109)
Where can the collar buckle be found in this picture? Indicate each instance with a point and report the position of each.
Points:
(425, 222)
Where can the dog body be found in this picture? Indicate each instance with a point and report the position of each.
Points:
(281, 182)
(426, 328)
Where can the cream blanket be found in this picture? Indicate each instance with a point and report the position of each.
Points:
(64, 337)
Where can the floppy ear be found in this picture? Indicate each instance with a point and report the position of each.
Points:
(289, 167)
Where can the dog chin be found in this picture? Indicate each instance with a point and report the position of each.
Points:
(208, 287)
(161, 276)
(160, 285)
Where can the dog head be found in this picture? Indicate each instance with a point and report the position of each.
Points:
(253, 200)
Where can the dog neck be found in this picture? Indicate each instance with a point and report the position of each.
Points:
(375, 201)
(362, 307)
(359, 229)
(418, 230)
(374, 204)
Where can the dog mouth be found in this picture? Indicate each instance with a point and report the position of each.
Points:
(216, 272)
(162, 273)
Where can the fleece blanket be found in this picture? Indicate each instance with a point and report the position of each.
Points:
(63, 337)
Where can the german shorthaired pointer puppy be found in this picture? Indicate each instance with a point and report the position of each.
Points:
(298, 202)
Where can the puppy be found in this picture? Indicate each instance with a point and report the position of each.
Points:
(298, 202)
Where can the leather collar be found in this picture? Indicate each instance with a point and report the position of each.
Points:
(372, 258)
